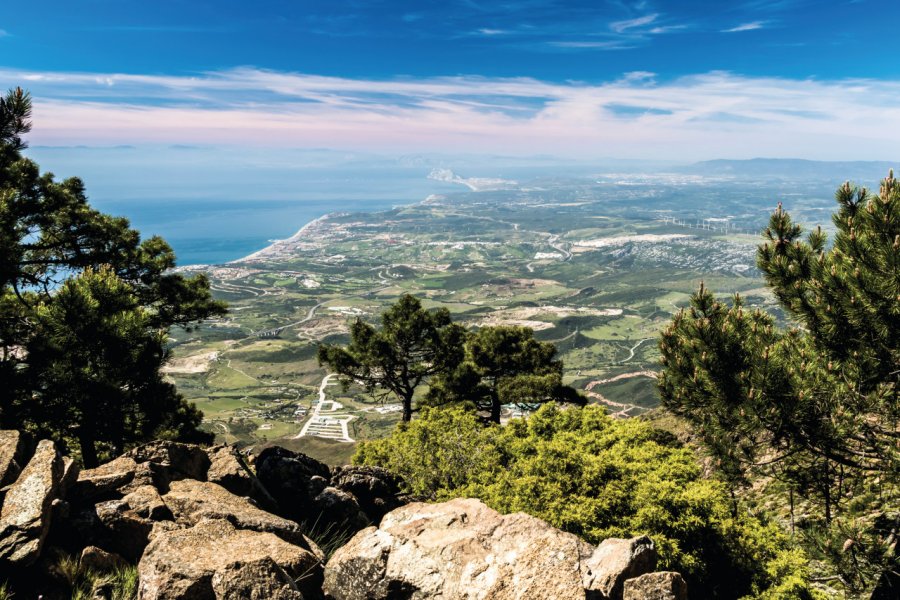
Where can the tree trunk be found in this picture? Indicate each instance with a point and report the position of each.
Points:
(495, 411)
(407, 408)
(88, 451)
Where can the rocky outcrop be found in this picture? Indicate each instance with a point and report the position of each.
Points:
(195, 522)
(100, 561)
(167, 507)
(293, 480)
(192, 501)
(175, 460)
(228, 469)
(26, 513)
(664, 585)
(114, 478)
(462, 549)
(215, 560)
(263, 579)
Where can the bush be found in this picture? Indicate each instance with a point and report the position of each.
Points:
(585, 473)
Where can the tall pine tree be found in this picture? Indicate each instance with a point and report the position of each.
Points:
(85, 307)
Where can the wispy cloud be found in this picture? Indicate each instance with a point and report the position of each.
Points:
(753, 25)
(623, 26)
(701, 116)
(4, 33)
(592, 45)
(489, 31)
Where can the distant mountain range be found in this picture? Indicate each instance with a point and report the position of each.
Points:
(793, 168)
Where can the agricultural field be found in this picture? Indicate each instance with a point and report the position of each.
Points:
(597, 266)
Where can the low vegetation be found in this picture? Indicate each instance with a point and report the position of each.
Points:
(586, 473)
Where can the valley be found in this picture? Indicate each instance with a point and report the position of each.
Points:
(597, 265)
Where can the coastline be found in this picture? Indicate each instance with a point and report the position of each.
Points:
(312, 226)
(273, 247)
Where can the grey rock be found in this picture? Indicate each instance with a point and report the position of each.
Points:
(293, 479)
(339, 510)
(203, 561)
(617, 560)
(459, 550)
(377, 490)
(26, 513)
(228, 469)
(120, 528)
(13, 455)
(100, 561)
(179, 460)
(664, 585)
(114, 479)
(191, 501)
(262, 579)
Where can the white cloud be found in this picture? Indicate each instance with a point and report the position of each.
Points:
(593, 45)
(623, 26)
(746, 27)
(4, 33)
(701, 116)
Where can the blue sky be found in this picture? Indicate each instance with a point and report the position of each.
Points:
(636, 79)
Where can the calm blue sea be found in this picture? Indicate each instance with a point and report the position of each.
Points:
(210, 232)
(214, 231)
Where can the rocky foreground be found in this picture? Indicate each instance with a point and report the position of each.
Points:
(200, 524)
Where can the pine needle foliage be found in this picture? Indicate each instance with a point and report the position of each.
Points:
(815, 403)
(85, 308)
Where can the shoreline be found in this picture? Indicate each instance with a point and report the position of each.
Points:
(318, 221)
(297, 236)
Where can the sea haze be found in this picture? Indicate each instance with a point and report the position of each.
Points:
(217, 205)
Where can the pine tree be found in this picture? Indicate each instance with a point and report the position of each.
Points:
(505, 365)
(828, 383)
(412, 346)
(84, 300)
(815, 403)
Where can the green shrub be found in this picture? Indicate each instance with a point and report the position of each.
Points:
(583, 472)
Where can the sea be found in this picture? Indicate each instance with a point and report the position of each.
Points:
(220, 230)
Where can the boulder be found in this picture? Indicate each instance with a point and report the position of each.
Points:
(100, 561)
(117, 527)
(377, 490)
(13, 455)
(146, 502)
(228, 469)
(179, 460)
(664, 585)
(293, 479)
(459, 549)
(25, 516)
(338, 511)
(114, 479)
(212, 559)
(256, 580)
(616, 560)
(191, 501)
